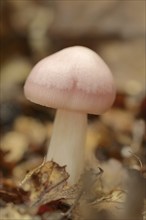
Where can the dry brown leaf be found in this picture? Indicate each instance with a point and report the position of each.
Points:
(48, 187)
(46, 183)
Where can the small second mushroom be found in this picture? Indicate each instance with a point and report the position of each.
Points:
(75, 81)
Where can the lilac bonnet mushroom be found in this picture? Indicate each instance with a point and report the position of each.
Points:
(75, 81)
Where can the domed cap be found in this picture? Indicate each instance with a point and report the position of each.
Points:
(75, 78)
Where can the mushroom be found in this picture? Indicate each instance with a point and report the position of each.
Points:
(75, 81)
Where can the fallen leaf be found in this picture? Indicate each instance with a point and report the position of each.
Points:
(46, 183)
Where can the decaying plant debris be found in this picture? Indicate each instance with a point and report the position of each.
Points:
(44, 193)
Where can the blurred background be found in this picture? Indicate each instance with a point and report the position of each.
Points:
(34, 29)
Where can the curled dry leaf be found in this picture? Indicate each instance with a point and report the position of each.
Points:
(48, 188)
(94, 203)
(46, 183)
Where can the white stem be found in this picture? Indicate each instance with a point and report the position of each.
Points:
(67, 145)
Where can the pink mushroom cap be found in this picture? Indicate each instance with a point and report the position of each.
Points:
(75, 78)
